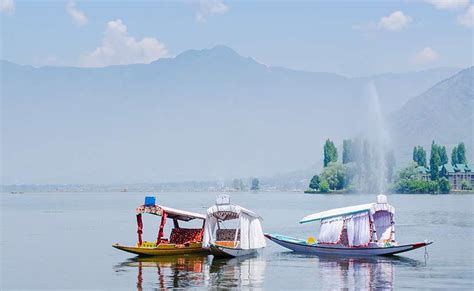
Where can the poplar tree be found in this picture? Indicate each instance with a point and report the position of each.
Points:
(435, 162)
(454, 156)
(330, 152)
(347, 151)
(461, 154)
(443, 155)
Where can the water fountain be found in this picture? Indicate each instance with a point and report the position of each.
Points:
(372, 147)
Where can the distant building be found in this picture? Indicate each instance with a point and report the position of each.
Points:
(455, 174)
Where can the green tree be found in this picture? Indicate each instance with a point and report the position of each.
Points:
(347, 151)
(419, 155)
(454, 156)
(408, 173)
(435, 162)
(461, 154)
(335, 175)
(314, 183)
(324, 186)
(255, 184)
(444, 186)
(330, 152)
(443, 155)
(465, 185)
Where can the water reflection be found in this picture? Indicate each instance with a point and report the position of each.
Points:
(168, 272)
(237, 272)
(365, 273)
(195, 271)
(320, 272)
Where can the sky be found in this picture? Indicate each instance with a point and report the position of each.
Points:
(352, 38)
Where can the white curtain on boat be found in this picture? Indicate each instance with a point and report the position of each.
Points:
(251, 234)
(358, 229)
(331, 230)
(209, 231)
(383, 225)
(244, 232)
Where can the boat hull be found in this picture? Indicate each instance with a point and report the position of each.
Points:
(227, 252)
(164, 249)
(300, 247)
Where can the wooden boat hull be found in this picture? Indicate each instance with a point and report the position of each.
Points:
(300, 246)
(228, 252)
(164, 249)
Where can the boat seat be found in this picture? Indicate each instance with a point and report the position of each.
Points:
(227, 234)
(229, 244)
(185, 235)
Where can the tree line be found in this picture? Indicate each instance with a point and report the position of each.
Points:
(363, 168)
(360, 170)
(409, 179)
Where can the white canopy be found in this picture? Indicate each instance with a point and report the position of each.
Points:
(381, 205)
(229, 211)
(181, 214)
(352, 225)
(251, 234)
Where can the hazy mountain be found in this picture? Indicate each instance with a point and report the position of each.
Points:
(443, 113)
(204, 115)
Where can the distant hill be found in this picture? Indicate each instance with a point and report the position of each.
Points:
(443, 113)
(204, 115)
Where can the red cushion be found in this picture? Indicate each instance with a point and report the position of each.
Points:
(185, 235)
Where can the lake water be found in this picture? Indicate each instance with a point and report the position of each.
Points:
(63, 240)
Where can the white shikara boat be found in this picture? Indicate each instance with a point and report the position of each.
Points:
(243, 240)
(361, 230)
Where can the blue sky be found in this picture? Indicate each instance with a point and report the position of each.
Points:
(352, 38)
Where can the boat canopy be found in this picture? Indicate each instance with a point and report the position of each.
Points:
(249, 234)
(170, 212)
(381, 205)
(151, 207)
(229, 212)
(356, 226)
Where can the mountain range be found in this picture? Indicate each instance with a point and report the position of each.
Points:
(444, 113)
(206, 114)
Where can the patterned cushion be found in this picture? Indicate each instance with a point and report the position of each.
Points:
(227, 234)
(185, 235)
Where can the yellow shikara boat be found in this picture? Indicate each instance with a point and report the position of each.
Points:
(181, 240)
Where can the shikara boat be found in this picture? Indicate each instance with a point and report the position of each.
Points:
(181, 240)
(243, 240)
(361, 230)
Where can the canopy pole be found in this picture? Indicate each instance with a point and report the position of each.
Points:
(203, 226)
(164, 216)
(237, 231)
(175, 223)
(139, 229)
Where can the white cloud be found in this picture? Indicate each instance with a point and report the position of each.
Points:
(207, 8)
(118, 48)
(79, 17)
(467, 19)
(426, 55)
(395, 21)
(7, 6)
(448, 4)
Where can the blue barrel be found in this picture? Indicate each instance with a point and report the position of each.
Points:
(149, 200)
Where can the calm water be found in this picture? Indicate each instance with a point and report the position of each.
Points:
(64, 241)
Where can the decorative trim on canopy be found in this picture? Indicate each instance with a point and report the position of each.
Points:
(338, 212)
(171, 212)
(229, 211)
